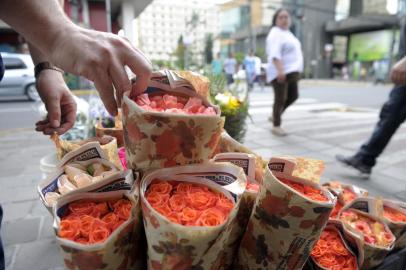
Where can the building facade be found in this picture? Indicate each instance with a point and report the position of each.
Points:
(252, 22)
(91, 14)
(365, 37)
(161, 25)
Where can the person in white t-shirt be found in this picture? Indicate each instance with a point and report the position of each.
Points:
(285, 63)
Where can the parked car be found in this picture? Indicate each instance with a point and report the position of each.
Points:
(18, 77)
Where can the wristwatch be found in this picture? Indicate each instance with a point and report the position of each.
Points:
(45, 65)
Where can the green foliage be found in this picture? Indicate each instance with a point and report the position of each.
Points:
(232, 108)
(261, 54)
(180, 54)
(208, 49)
(239, 56)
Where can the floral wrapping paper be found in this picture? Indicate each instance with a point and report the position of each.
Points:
(397, 228)
(84, 155)
(284, 225)
(110, 149)
(247, 163)
(228, 145)
(123, 249)
(156, 140)
(373, 255)
(306, 168)
(177, 247)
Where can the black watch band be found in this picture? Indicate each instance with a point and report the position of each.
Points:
(45, 65)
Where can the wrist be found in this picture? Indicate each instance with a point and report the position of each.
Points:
(41, 67)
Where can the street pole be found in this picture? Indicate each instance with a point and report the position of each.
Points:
(108, 15)
(251, 44)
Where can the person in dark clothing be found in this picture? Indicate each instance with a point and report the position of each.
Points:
(2, 263)
(392, 115)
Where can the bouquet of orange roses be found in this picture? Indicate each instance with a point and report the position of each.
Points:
(332, 251)
(288, 217)
(189, 212)
(100, 230)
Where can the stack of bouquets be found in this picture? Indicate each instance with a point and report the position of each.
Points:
(288, 217)
(171, 123)
(97, 217)
(189, 214)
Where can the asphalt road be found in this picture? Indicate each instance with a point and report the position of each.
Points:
(22, 114)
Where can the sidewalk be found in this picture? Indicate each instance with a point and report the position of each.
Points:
(317, 130)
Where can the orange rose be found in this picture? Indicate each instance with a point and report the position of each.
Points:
(201, 200)
(161, 187)
(211, 217)
(177, 202)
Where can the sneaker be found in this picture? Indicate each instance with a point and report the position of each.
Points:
(355, 163)
(278, 131)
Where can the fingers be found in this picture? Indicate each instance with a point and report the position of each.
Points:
(53, 107)
(142, 68)
(120, 80)
(104, 86)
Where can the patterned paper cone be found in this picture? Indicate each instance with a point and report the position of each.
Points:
(156, 140)
(284, 224)
(107, 143)
(114, 132)
(123, 249)
(397, 228)
(373, 254)
(228, 145)
(172, 246)
(85, 155)
(248, 163)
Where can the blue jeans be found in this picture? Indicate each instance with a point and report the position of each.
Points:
(2, 262)
(392, 115)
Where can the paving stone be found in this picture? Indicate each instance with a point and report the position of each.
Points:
(20, 231)
(38, 255)
(47, 231)
(17, 210)
(9, 254)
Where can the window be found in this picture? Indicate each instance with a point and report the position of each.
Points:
(13, 63)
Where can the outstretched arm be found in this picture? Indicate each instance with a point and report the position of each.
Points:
(98, 56)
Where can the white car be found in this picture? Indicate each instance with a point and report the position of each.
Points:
(18, 77)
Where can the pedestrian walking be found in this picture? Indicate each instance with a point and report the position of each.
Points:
(217, 65)
(249, 66)
(392, 115)
(285, 64)
(258, 72)
(230, 68)
(57, 44)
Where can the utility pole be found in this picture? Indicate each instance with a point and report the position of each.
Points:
(108, 15)
(252, 41)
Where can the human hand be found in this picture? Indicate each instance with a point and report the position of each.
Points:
(281, 78)
(101, 58)
(398, 72)
(59, 103)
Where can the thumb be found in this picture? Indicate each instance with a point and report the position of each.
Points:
(54, 112)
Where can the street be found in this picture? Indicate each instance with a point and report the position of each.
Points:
(329, 118)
